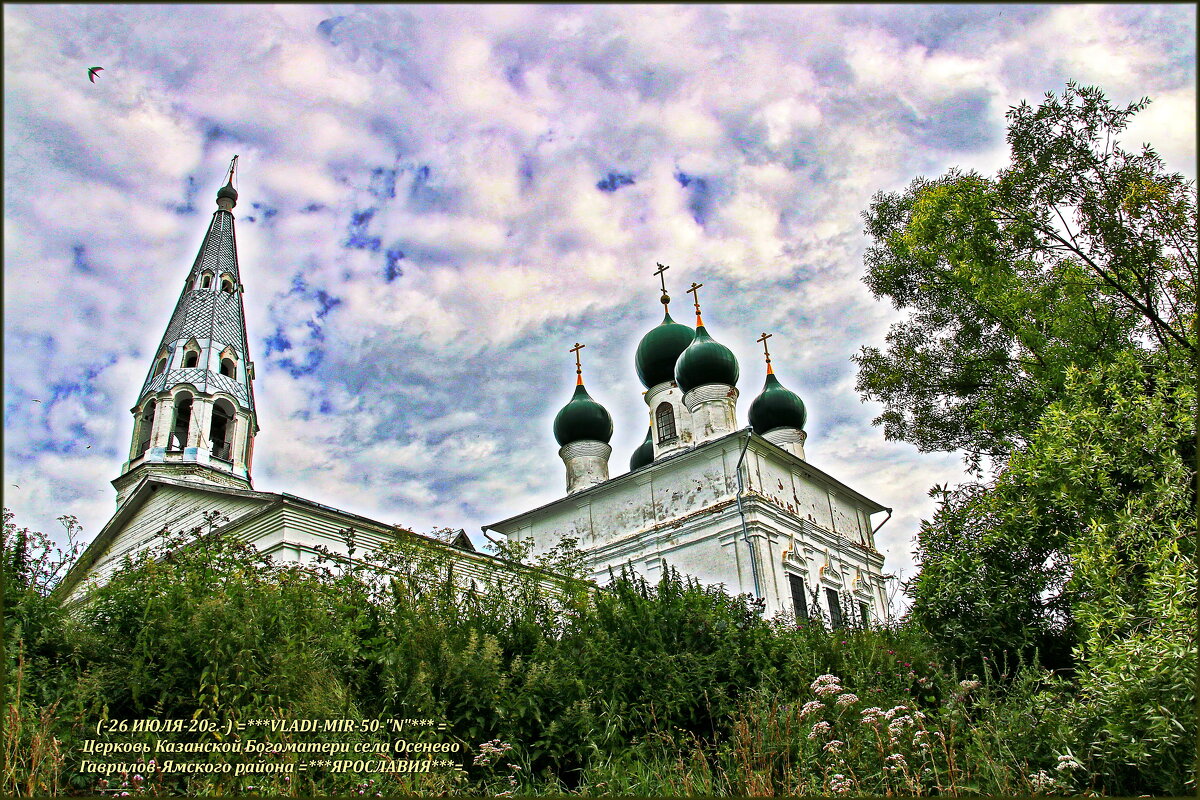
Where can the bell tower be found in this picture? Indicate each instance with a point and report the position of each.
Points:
(194, 418)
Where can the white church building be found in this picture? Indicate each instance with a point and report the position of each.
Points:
(739, 507)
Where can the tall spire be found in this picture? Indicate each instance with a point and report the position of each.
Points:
(196, 406)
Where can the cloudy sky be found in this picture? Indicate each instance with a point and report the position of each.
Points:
(437, 202)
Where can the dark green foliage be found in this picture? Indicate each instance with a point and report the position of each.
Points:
(649, 689)
(1052, 336)
(1077, 251)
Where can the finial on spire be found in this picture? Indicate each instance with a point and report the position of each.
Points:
(578, 367)
(227, 192)
(766, 352)
(696, 298)
(666, 298)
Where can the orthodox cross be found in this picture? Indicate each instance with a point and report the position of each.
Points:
(666, 298)
(232, 167)
(763, 339)
(696, 297)
(578, 366)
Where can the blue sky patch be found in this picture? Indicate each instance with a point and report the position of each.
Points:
(357, 237)
(614, 180)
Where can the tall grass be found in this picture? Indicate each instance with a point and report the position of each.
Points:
(667, 689)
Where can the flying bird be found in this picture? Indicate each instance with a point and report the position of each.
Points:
(37, 401)
(92, 73)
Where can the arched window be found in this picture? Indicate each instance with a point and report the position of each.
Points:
(664, 420)
(227, 284)
(183, 423)
(190, 359)
(228, 368)
(145, 428)
(206, 280)
(160, 367)
(220, 434)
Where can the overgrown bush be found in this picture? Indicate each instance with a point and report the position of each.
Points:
(550, 688)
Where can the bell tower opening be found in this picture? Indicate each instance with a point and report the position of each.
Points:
(183, 422)
(220, 434)
(145, 428)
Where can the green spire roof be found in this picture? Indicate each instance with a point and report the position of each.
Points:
(582, 419)
(644, 454)
(659, 349)
(705, 361)
(776, 407)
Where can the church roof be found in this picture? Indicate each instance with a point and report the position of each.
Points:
(776, 407)
(659, 349)
(582, 418)
(705, 361)
(702, 451)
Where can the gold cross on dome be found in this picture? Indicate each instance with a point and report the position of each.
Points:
(695, 296)
(763, 339)
(575, 350)
(659, 272)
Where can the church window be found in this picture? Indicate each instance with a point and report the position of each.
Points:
(835, 608)
(160, 367)
(183, 423)
(220, 435)
(799, 601)
(864, 613)
(228, 368)
(227, 284)
(664, 419)
(206, 280)
(190, 359)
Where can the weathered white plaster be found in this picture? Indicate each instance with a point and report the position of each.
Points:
(586, 462)
(713, 408)
(790, 439)
(687, 512)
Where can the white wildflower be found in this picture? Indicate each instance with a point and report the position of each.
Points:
(827, 689)
(847, 699)
(825, 679)
(810, 707)
(872, 715)
(1067, 761)
(820, 728)
(1042, 781)
(840, 784)
(834, 746)
(967, 686)
(891, 712)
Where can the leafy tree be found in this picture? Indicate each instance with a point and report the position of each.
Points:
(1076, 251)
(1052, 334)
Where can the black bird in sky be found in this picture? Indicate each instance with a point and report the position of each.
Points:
(92, 73)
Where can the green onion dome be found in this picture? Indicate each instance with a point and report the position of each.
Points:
(659, 349)
(228, 191)
(776, 407)
(582, 419)
(644, 454)
(705, 361)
